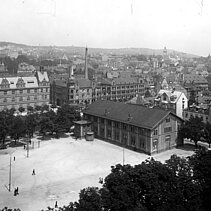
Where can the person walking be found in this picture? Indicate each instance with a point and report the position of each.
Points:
(56, 205)
(17, 191)
(14, 158)
(33, 172)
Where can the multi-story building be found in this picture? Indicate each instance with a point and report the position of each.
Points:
(118, 89)
(84, 91)
(203, 112)
(135, 127)
(175, 101)
(193, 80)
(18, 91)
(73, 91)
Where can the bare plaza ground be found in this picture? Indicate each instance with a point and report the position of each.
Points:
(63, 167)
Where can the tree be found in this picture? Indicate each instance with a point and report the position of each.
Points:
(89, 200)
(201, 166)
(54, 124)
(187, 191)
(6, 119)
(193, 129)
(192, 99)
(44, 123)
(45, 108)
(17, 128)
(119, 190)
(30, 109)
(31, 121)
(38, 108)
(207, 133)
(21, 109)
(66, 115)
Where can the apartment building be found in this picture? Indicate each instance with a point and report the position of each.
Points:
(16, 92)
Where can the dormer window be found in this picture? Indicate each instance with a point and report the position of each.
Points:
(173, 97)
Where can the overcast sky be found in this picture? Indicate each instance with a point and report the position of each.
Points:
(183, 25)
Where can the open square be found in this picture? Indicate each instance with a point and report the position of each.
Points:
(62, 168)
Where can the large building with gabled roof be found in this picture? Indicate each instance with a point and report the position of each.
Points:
(16, 92)
(132, 126)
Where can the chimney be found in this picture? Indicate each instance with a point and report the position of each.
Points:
(41, 69)
(86, 71)
(106, 112)
(71, 72)
(129, 117)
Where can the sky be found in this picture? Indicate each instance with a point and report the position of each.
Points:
(183, 25)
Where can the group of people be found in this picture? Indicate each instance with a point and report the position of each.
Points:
(16, 189)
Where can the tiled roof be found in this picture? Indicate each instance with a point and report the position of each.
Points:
(82, 82)
(120, 80)
(140, 115)
(125, 80)
(61, 83)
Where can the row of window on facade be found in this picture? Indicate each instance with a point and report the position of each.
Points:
(24, 91)
(132, 138)
(13, 99)
(124, 139)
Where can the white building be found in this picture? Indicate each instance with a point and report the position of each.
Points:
(173, 100)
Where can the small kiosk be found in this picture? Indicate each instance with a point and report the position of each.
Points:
(81, 128)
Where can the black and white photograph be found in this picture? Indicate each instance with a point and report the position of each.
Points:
(105, 105)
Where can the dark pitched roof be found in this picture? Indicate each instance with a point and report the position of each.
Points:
(139, 115)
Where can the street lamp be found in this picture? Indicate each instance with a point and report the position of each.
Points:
(10, 151)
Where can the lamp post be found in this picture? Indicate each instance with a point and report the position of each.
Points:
(10, 151)
(10, 173)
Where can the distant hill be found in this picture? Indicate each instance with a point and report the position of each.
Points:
(118, 51)
(4, 44)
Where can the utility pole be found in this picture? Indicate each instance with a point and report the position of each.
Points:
(10, 172)
(28, 144)
(123, 156)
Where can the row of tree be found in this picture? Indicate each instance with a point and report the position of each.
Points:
(179, 184)
(42, 119)
(196, 130)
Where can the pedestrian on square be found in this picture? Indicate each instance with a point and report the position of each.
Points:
(33, 172)
(14, 158)
(56, 205)
(17, 191)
